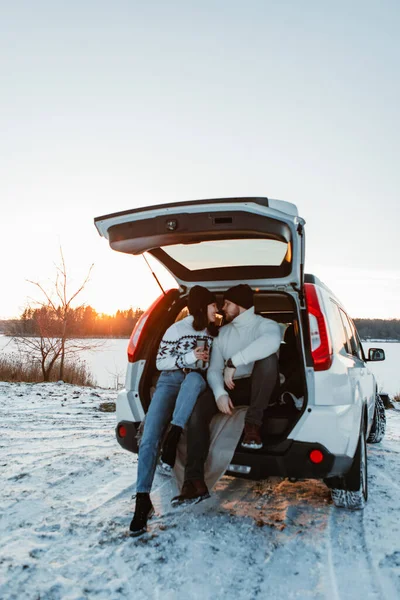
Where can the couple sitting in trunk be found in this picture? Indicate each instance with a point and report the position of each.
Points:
(243, 370)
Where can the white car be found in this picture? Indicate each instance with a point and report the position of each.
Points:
(328, 405)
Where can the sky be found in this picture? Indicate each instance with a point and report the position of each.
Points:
(112, 106)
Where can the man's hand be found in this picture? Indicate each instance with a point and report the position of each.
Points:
(229, 374)
(224, 404)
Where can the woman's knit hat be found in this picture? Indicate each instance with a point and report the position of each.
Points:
(241, 294)
(199, 297)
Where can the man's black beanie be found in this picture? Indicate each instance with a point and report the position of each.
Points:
(199, 298)
(241, 294)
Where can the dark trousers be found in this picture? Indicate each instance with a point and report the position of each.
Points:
(254, 391)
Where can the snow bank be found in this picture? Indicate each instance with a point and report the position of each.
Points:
(66, 503)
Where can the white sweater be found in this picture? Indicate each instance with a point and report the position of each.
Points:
(177, 347)
(249, 337)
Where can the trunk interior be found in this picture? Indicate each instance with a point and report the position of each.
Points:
(282, 412)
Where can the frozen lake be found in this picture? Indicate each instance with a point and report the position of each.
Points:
(108, 363)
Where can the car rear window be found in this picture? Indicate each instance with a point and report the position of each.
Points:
(230, 253)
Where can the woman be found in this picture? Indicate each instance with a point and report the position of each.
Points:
(182, 358)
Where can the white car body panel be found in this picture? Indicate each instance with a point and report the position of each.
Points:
(129, 408)
(128, 405)
(336, 427)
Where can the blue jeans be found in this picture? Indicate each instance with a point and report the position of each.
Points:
(175, 395)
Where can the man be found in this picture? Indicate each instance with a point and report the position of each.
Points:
(243, 371)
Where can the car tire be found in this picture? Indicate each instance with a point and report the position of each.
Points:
(378, 427)
(356, 477)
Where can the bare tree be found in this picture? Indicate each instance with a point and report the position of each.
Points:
(117, 374)
(44, 347)
(50, 344)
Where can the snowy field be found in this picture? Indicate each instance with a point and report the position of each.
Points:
(66, 503)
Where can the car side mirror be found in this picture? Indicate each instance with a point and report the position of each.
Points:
(375, 354)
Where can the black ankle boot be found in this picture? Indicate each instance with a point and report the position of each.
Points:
(143, 511)
(168, 454)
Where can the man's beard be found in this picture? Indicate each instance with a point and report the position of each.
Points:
(229, 317)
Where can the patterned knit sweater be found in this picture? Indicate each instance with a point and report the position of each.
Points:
(177, 347)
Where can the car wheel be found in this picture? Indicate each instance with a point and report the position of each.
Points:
(357, 478)
(378, 427)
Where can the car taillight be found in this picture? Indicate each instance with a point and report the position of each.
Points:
(316, 456)
(122, 431)
(138, 329)
(321, 346)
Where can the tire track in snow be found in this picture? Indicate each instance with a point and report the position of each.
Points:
(333, 593)
(353, 573)
(97, 501)
(348, 558)
(350, 563)
(387, 479)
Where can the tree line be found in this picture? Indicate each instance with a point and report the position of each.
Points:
(378, 329)
(80, 322)
(85, 321)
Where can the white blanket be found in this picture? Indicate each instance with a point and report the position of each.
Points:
(225, 432)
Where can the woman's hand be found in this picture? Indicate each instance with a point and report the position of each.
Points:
(202, 353)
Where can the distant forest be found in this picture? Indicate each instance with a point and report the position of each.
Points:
(81, 322)
(378, 329)
(86, 322)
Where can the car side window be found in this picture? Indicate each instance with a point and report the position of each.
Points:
(339, 334)
(352, 341)
(360, 350)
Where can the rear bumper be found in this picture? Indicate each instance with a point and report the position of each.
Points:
(294, 462)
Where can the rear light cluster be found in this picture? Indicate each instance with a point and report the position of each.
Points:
(321, 346)
(316, 456)
(138, 329)
(122, 431)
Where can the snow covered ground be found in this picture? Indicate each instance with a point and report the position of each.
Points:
(66, 503)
